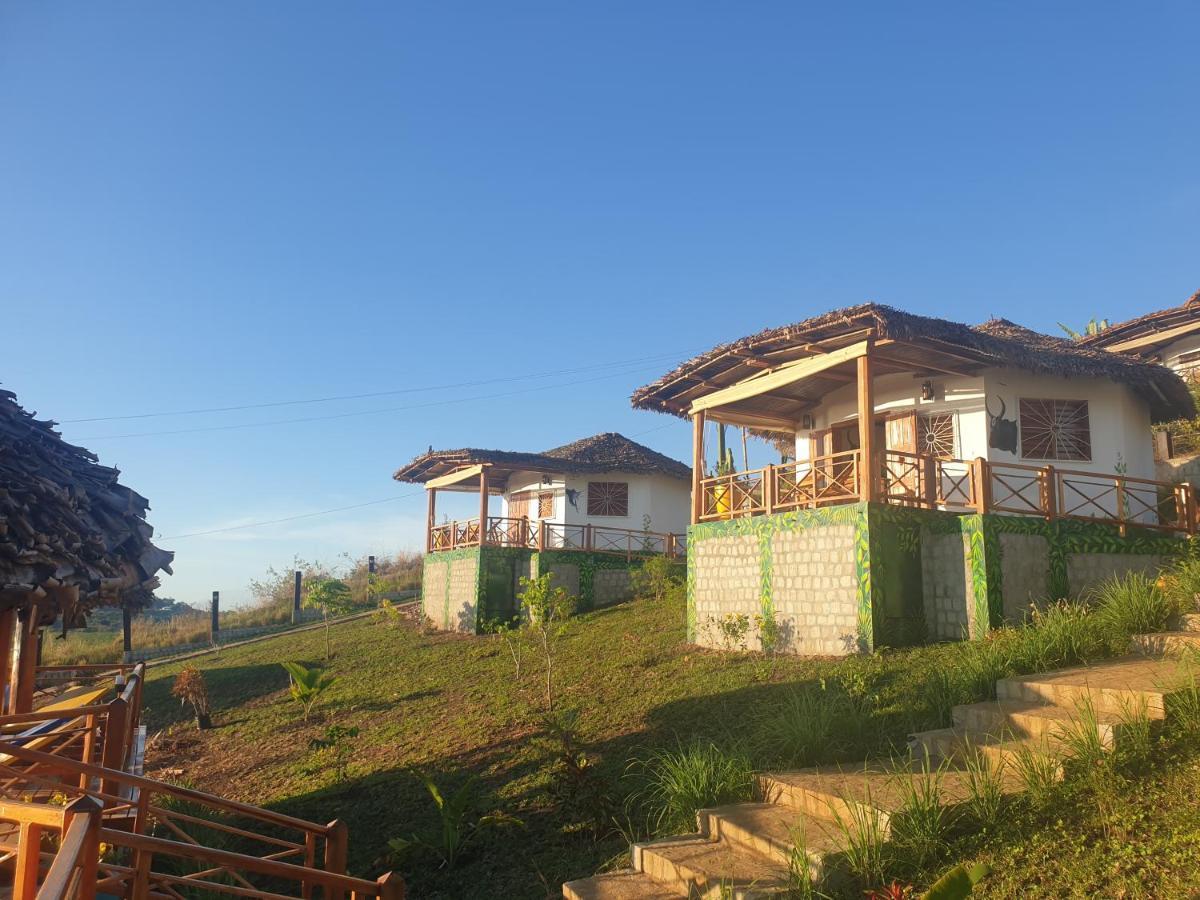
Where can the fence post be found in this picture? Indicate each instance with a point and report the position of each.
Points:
(769, 488)
(115, 723)
(541, 541)
(337, 839)
(89, 862)
(25, 875)
(1119, 484)
(26, 663)
(1187, 511)
(214, 629)
(669, 545)
(296, 589)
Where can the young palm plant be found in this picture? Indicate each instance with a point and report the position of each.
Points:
(458, 827)
(307, 684)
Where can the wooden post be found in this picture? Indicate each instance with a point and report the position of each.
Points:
(336, 841)
(697, 465)
(769, 488)
(541, 541)
(8, 622)
(297, 587)
(1119, 484)
(28, 862)
(669, 545)
(214, 625)
(89, 861)
(89, 748)
(866, 428)
(430, 517)
(391, 887)
(983, 493)
(113, 752)
(1049, 493)
(589, 539)
(26, 667)
(1184, 504)
(483, 505)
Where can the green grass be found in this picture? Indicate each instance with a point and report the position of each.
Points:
(450, 706)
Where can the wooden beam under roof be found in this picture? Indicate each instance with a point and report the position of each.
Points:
(1154, 337)
(458, 476)
(788, 373)
(751, 420)
(922, 365)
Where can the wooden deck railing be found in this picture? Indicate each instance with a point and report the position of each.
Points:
(956, 485)
(543, 535)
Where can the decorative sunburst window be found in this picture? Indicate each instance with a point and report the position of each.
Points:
(607, 498)
(935, 435)
(1055, 429)
(546, 505)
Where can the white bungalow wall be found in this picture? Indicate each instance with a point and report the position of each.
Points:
(1120, 421)
(667, 501)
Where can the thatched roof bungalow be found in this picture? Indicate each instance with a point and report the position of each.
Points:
(72, 537)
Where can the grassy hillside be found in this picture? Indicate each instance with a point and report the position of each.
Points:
(450, 706)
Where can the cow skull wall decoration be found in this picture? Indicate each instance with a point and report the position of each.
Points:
(1002, 432)
(573, 497)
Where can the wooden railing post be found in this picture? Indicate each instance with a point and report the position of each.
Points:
(541, 537)
(669, 545)
(89, 860)
(1119, 485)
(28, 862)
(697, 466)
(1049, 498)
(26, 666)
(391, 887)
(337, 841)
(589, 540)
(983, 487)
(89, 746)
(113, 751)
(1186, 508)
(453, 534)
(769, 488)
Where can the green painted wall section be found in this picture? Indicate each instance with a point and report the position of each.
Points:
(887, 553)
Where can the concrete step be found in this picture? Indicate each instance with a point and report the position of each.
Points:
(772, 830)
(624, 885)
(1024, 719)
(1189, 622)
(1166, 643)
(1114, 686)
(955, 745)
(698, 867)
(853, 796)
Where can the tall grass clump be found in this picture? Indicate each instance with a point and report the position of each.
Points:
(1132, 604)
(1065, 633)
(985, 788)
(815, 723)
(864, 838)
(1181, 585)
(920, 829)
(679, 782)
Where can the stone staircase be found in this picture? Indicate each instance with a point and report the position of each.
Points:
(745, 850)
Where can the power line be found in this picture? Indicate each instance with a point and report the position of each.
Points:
(365, 412)
(337, 509)
(388, 393)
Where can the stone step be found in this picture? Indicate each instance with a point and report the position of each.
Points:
(623, 885)
(1114, 686)
(1023, 719)
(698, 867)
(853, 796)
(1166, 643)
(1189, 622)
(956, 744)
(773, 830)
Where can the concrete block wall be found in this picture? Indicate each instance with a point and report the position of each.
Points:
(948, 594)
(450, 589)
(814, 587)
(727, 580)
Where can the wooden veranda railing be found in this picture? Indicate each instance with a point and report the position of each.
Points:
(544, 535)
(956, 485)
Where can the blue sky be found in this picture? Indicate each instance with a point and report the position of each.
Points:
(224, 204)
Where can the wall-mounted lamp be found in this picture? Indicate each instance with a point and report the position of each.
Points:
(926, 390)
(806, 421)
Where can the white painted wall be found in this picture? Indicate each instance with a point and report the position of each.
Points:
(666, 500)
(1171, 352)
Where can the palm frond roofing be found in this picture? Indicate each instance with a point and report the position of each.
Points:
(996, 343)
(66, 520)
(607, 452)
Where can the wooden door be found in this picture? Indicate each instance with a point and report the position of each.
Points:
(901, 469)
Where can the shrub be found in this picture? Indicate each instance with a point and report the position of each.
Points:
(546, 608)
(679, 782)
(657, 579)
(191, 690)
(334, 750)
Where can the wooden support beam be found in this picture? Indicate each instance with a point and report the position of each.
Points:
(788, 373)
(866, 428)
(430, 517)
(483, 506)
(8, 623)
(752, 420)
(697, 464)
(466, 473)
(26, 662)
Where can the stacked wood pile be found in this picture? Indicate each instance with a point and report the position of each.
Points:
(71, 537)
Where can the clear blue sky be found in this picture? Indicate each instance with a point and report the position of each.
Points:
(223, 203)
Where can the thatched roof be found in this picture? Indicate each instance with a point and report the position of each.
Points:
(1146, 335)
(67, 524)
(608, 452)
(911, 343)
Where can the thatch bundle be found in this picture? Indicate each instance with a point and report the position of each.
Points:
(71, 537)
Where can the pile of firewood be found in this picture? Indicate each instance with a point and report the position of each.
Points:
(71, 537)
